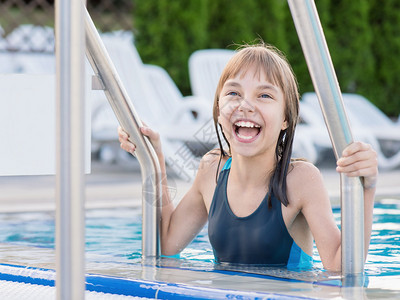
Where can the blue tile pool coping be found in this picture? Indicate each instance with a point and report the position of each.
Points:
(134, 287)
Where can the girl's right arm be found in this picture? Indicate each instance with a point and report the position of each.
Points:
(181, 224)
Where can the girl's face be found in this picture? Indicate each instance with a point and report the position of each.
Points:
(251, 113)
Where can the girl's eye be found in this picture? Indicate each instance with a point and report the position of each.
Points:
(232, 94)
(265, 96)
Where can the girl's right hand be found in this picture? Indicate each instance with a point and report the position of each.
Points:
(130, 147)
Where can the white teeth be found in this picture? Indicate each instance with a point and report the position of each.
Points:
(245, 137)
(247, 124)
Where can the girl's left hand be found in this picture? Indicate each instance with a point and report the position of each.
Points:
(359, 160)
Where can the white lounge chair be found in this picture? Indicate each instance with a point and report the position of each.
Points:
(311, 139)
(205, 68)
(171, 99)
(181, 123)
(28, 37)
(28, 49)
(3, 42)
(368, 124)
(7, 64)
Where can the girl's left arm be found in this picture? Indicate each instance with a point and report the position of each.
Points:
(358, 160)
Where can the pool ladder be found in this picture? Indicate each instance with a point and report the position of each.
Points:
(117, 96)
(70, 245)
(313, 43)
(71, 18)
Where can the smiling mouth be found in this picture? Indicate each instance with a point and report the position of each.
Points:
(246, 130)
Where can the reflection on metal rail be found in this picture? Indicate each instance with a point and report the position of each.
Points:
(70, 214)
(326, 86)
(129, 120)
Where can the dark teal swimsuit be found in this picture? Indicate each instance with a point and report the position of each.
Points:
(260, 238)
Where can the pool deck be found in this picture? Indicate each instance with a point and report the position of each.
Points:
(119, 185)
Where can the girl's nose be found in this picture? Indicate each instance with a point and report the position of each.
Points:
(245, 105)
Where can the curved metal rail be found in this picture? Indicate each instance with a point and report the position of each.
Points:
(326, 86)
(129, 120)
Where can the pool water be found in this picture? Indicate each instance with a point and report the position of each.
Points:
(116, 234)
(384, 251)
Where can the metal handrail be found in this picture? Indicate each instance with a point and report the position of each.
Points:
(309, 30)
(70, 213)
(128, 118)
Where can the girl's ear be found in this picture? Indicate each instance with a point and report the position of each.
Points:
(218, 112)
(285, 125)
(218, 119)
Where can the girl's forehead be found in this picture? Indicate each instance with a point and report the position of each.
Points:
(257, 71)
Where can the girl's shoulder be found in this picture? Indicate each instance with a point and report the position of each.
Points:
(212, 162)
(210, 166)
(300, 167)
(207, 174)
(303, 178)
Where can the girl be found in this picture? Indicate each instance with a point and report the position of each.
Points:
(261, 206)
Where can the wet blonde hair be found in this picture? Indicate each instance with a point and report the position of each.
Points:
(269, 61)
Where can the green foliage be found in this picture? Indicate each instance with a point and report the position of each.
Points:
(385, 23)
(295, 55)
(269, 22)
(233, 22)
(352, 55)
(168, 31)
(229, 23)
(363, 37)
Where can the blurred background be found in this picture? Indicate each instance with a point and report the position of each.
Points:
(363, 35)
(363, 38)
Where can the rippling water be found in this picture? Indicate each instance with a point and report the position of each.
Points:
(117, 233)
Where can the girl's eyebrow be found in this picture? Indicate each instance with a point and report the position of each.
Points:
(232, 83)
(268, 87)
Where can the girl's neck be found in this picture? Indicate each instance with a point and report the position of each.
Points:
(252, 171)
